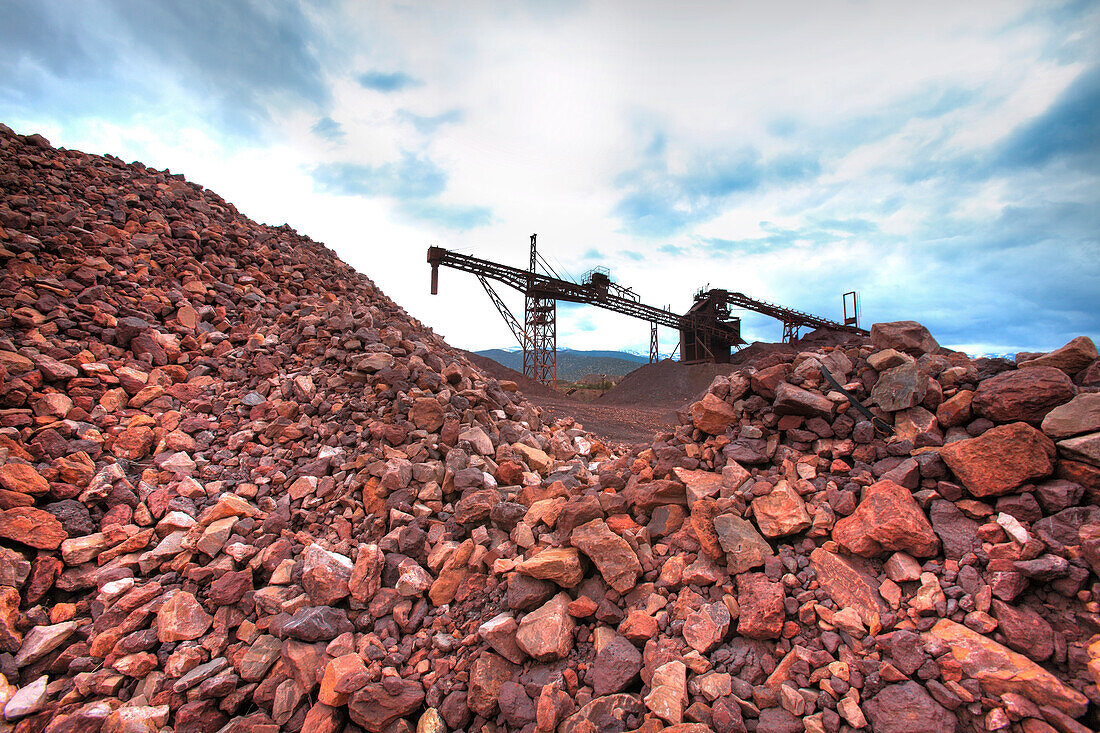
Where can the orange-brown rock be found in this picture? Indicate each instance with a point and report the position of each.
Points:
(1023, 394)
(32, 527)
(1000, 459)
(886, 520)
(23, 479)
(182, 618)
(1071, 358)
(616, 560)
(1001, 670)
(712, 415)
(559, 564)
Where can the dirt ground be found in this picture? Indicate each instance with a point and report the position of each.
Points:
(646, 400)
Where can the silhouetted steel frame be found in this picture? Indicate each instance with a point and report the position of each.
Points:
(540, 313)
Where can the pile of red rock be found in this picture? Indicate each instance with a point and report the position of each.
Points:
(242, 490)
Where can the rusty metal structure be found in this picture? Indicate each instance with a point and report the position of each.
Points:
(708, 331)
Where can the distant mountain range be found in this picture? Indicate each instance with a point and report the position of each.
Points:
(573, 365)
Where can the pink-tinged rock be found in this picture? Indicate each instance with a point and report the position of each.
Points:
(343, 676)
(366, 574)
(900, 388)
(616, 665)
(1000, 459)
(792, 400)
(499, 632)
(547, 632)
(712, 415)
(1024, 630)
(781, 512)
(230, 587)
(323, 718)
(412, 580)
(1001, 670)
(762, 610)
(906, 336)
(765, 381)
(23, 479)
(488, 673)
(1084, 448)
(652, 494)
(426, 414)
(887, 519)
(1022, 395)
(613, 555)
(908, 708)
(33, 527)
(41, 640)
(325, 575)
(375, 706)
(668, 692)
(850, 582)
(559, 564)
(744, 547)
(956, 410)
(707, 627)
(1079, 415)
(698, 484)
(182, 618)
(1078, 354)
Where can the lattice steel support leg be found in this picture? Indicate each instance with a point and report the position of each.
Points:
(540, 357)
(654, 354)
(790, 332)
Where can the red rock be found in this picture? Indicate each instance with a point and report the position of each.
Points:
(706, 628)
(375, 706)
(638, 626)
(906, 336)
(908, 708)
(343, 676)
(559, 564)
(762, 610)
(608, 713)
(744, 547)
(616, 665)
(1022, 395)
(1071, 358)
(11, 638)
(182, 618)
(1000, 670)
(487, 674)
(887, 519)
(33, 527)
(476, 506)
(1000, 459)
(1024, 630)
(230, 587)
(712, 415)
(547, 632)
(791, 400)
(23, 479)
(366, 574)
(650, 495)
(668, 692)
(850, 583)
(956, 410)
(780, 512)
(612, 554)
(765, 381)
(325, 575)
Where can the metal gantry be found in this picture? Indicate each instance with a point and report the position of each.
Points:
(707, 331)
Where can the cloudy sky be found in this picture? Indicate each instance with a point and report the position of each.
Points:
(941, 158)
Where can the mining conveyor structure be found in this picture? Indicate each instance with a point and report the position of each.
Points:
(708, 332)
